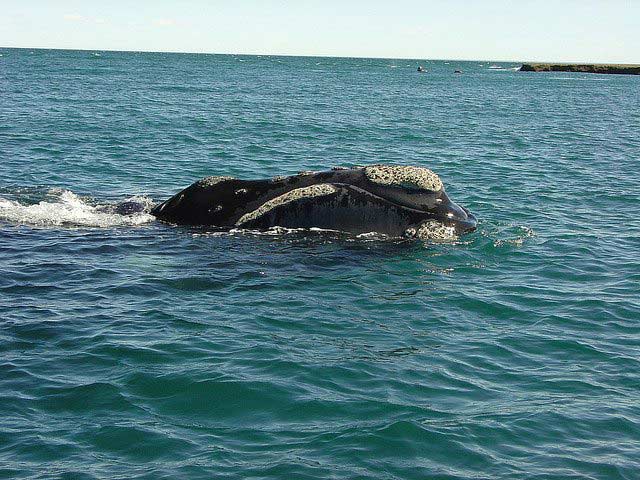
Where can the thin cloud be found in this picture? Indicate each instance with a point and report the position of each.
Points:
(163, 22)
(73, 17)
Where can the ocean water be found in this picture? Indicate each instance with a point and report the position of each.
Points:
(134, 349)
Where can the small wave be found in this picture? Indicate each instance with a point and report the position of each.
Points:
(312, 232)
(592, 78)
(324, 234)
(65, 208)
(373, 236)
(504, 69)
(510, 235)
(283, 231)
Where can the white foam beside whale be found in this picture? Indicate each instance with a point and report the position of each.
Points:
(65, 208)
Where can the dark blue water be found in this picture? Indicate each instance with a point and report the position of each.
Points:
(134, 349)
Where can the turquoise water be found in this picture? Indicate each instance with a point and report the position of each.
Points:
(134, 349)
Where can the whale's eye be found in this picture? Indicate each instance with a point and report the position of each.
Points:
(410, 178)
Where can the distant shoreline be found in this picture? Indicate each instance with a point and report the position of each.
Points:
(262, 54)
(616, 69)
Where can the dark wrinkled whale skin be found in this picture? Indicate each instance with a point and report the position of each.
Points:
(129, 208)
(355, 204)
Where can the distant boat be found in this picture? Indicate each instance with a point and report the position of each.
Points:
(421, 69)
(457, 71)
(495, 67)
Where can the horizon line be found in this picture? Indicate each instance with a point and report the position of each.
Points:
(314, 56)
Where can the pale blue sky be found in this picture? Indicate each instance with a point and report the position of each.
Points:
(558, 30)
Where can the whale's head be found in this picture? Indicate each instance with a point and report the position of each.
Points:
(419, 189)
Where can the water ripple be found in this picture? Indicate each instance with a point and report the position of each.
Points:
(133, 349)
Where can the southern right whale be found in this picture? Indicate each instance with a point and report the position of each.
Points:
(398, 201)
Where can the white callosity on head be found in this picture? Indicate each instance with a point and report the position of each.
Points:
(432, 230)
(211, 181)
(398, 175)
(312, 191)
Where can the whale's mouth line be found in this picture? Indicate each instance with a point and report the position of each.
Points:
(461, 225)
(388, 200)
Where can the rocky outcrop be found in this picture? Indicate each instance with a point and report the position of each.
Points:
(583, 68)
